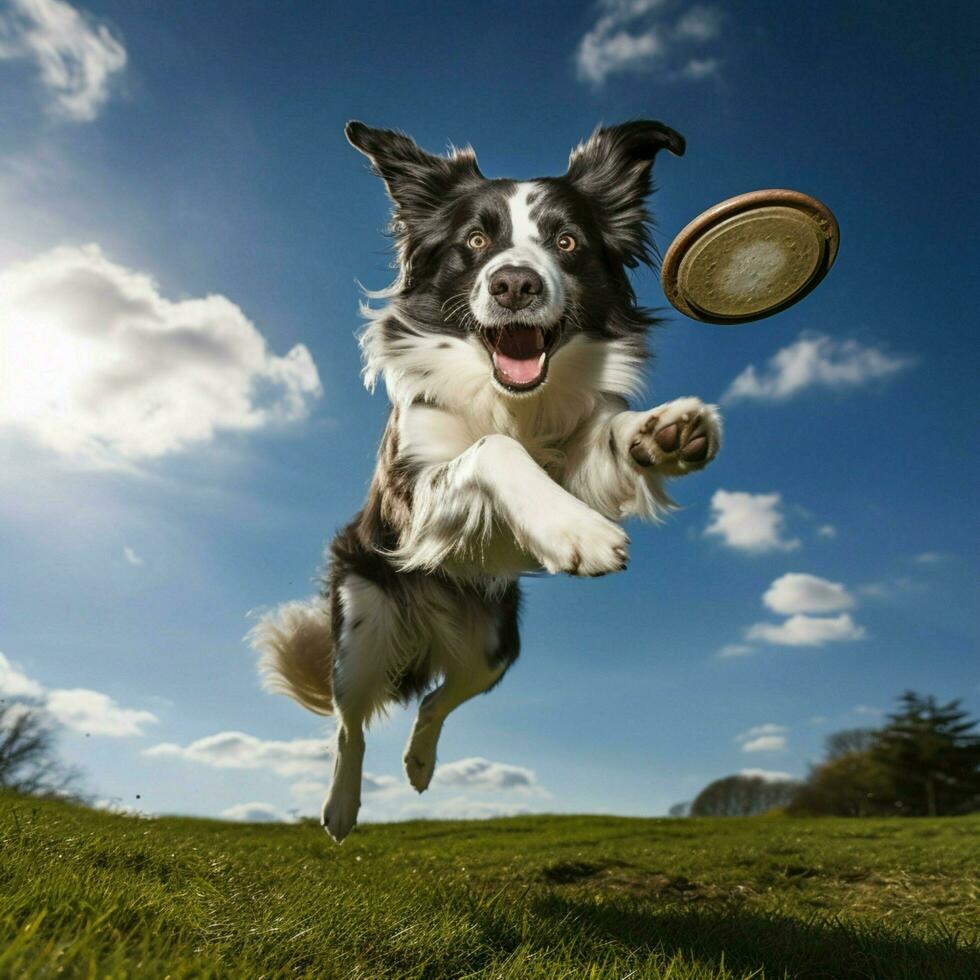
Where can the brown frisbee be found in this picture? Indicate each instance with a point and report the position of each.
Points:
(750, 256)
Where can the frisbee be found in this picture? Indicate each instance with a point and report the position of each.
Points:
(750, 256)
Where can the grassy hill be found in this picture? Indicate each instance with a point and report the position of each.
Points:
(88, 894)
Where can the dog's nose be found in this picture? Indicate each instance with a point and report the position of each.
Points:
(515, 286)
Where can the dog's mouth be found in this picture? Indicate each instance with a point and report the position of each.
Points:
(520, 353)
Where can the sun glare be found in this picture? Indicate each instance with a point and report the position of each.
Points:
(41, 365)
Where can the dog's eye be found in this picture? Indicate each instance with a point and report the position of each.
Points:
(477, 241)
(566, 243)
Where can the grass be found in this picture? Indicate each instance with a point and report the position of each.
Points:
(89, 894)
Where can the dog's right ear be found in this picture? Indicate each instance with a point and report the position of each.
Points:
(417, 182)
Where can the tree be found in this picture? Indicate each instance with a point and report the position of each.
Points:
(742, 796)
(931, 753)
(28, 763)
(847, 785)
(849, 742)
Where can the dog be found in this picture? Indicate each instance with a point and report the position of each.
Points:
(510, 344)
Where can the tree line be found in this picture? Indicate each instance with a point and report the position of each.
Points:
(924, 761)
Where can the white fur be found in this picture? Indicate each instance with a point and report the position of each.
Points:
(526, 249)
(296, 649)
(457, 505)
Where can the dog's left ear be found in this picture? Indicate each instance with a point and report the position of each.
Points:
(612, 168)
(417, 182)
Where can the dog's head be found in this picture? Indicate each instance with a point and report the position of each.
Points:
(525, 267)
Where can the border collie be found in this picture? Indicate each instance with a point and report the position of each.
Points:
(509, 344)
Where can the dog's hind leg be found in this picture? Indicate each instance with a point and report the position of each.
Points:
(489, 646)
(360, 689)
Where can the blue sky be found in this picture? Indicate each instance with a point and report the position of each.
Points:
(182, 424)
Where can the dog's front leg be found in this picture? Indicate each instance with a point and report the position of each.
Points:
(496, 482)
(619, 461)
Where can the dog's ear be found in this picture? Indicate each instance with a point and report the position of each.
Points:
(417, 182)
(612, 168)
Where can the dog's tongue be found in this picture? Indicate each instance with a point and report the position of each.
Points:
(519, 355)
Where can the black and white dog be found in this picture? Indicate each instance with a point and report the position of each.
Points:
(509, 345)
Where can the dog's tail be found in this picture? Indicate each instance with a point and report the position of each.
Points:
(296, 648)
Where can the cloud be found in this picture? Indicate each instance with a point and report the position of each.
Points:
(82, 710)
(763, 738)
(95, 363)
(890, 588)
(931, 557)
(797, 592)
(815, 360)
(749, 522)
(807, 631)
(131, 556)
(700, 23)
(699, 68)
(236, 750)
(867, 710)
(312, 792)
(461, 808)
(256, 813)
(78, 58)
(640, 36)
(767, 775)
(16, 684)
(483, 774)
(735, 650)
(827, 531)
(95, 713)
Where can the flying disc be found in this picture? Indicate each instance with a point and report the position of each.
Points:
(750, 256)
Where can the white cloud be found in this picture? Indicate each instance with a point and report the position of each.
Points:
(236, 750)
(807, 631)
(765, 743)
(371, 784)
(763, 738)
(78, 59)
(461, 808)
(700, 23)
(931, 557)
(638, 36)
(890, 588)
(82, 710)
(767, 775)
(751, 522)
(815, 360)
(96, 714)
(256, 813)
(131, 556)
(827, 531)
(312, 792)
(867, 710)
(15, 683)
(735, 650)
(95, 363)
(699, 68)
(480, 773)
(797, 592)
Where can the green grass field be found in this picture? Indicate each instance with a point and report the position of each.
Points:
(87, 894)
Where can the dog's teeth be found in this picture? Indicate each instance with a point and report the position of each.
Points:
(541, 361)
(494, 359)
(539, 337)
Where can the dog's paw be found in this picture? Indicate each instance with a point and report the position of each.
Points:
(420, 757)
(581, 542)
(679, 437)
(340, 813)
